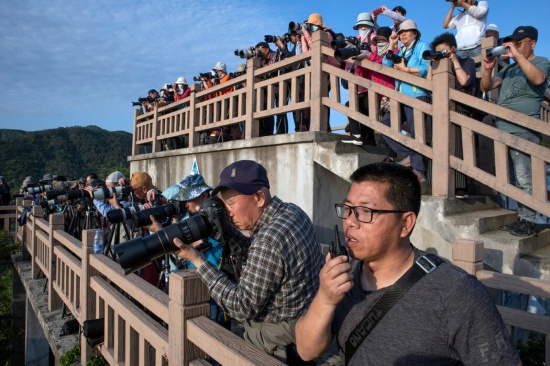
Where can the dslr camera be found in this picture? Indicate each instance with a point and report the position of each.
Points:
(297, 27)
(247, 53)
(137, 253)
(434, 55)
(343, 54)
(203, 75)
(396, 59)
(343, 42)
(272, 39)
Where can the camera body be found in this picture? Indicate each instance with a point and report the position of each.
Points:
(272, 39)
(434, 55)
(203, 75)
(396, 59)
(343, 54)
(343, 42)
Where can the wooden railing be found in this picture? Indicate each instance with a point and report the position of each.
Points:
(256, 100)
(468, 255)
(144, 325)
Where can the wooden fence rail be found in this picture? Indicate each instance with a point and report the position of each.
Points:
(145, 326)
(319, 87)
(142, 324)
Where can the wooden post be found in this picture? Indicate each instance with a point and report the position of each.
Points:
(251, 125)
(37, 211)
(468, 255)
(135, 149)
(193, 116)
(319, 83)
(56, 223)
(156, 144)
(189, 298)
(443, 182)
(87, 295)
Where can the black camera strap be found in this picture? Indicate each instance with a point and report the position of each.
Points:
(423, 265)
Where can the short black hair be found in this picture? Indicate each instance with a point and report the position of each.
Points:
(403, 186)
(400, 9)
(444, 38)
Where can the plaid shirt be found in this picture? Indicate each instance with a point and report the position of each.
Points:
(281, 275)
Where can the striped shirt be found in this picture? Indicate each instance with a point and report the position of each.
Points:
(281, 274)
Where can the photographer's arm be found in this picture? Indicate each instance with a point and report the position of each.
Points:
(489, 82)
(477, 11)
(449, 17)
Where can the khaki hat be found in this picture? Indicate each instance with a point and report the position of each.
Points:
(141, 179)
(409, 24)
(364, 19)
(316, 19)
(241, 68)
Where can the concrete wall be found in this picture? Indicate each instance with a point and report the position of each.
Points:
(288, 159)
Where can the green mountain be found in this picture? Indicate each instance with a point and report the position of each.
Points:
(72, 151)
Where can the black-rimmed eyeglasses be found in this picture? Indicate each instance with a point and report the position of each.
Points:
(361, 213)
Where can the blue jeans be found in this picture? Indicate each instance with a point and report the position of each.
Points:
(473, 52)
(520, 174)
(417, 160)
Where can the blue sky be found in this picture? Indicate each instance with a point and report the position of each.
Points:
(79, 63)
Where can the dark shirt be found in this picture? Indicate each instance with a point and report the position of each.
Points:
(5, 196)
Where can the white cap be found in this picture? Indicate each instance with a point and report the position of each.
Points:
(114, 177)
(181, 80)
(220, 66)
(492, 27)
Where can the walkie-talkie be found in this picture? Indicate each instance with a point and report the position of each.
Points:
(336, 248)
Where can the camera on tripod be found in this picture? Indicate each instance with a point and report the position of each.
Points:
(137, 253)
(38, 188)
(105, 193)
(71, 194)
(140, 215)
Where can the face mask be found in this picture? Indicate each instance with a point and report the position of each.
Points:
(314, 28)
(382, 48)
(364, 33)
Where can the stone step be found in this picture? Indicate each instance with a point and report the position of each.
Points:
(536, 264)
(482, 221)
(503, 250)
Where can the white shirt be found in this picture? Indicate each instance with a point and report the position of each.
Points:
(470, 25)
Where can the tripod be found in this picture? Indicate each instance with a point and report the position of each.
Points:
(114, 238)
(78, 224)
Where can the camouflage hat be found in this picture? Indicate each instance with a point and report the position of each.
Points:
(193, 186)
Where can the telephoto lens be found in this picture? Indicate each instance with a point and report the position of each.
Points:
(137, 253)
(434, 55)
(496, 51)
(39, 189)
(104, 192)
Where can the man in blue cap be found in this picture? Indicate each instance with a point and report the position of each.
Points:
(283, 259)
(522, 88)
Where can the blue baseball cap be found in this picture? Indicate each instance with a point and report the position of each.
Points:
(244, 176)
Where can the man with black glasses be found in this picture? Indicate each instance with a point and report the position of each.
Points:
(414, 308)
